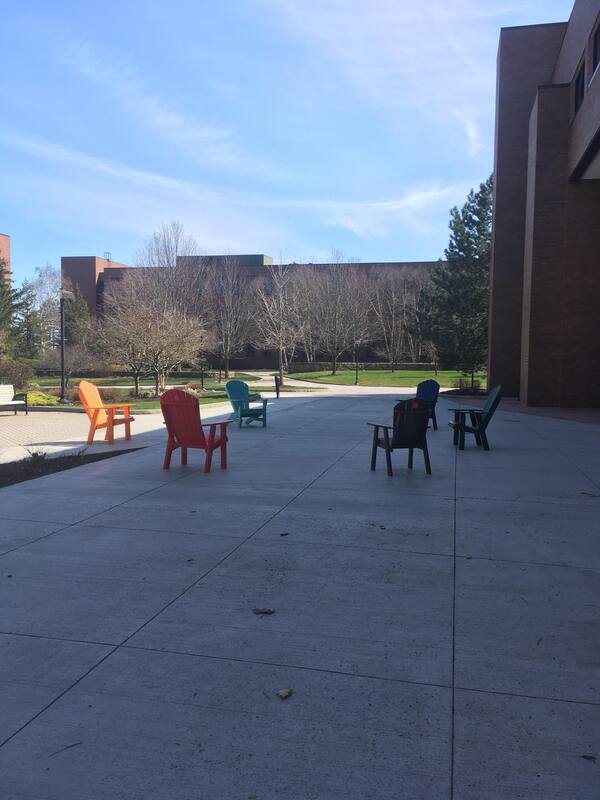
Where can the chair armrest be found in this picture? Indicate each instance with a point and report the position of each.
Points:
(380, 425)
(254, 396)
(20, 396)
(114, 405)
(211, 424)
(468, 410)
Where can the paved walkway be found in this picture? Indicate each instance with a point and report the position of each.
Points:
(440, 634)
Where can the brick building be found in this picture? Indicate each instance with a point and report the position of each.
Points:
(92, 275)
(545, 276)
(5, 254)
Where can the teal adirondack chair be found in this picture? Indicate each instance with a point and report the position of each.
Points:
(480, 419)
(240, 399)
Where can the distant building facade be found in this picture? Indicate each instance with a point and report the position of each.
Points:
(545, 274)
(5, 254)
(93, 275)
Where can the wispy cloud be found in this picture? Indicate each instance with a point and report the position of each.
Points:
(418, 209)
(208, 143)
(431, 60)
(135, 200)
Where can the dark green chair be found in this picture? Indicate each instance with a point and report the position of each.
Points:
(480, 418)
(409, 432)
(240, 399)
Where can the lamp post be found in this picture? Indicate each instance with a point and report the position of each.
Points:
(201, 363)
(64, 295)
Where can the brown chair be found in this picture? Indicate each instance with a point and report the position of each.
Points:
(408, 432)
(103, 415)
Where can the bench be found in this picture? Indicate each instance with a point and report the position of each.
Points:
(11, 400)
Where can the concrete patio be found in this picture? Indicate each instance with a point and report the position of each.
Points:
(440, 634)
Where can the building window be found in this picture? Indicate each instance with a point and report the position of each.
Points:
(579, 86)
(596, 49)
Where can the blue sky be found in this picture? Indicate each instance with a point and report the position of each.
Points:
(286, 127)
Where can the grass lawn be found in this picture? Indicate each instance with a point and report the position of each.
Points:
(374, 377)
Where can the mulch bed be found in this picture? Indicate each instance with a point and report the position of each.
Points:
(38, 465)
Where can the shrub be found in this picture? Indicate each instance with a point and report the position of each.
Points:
(110, 395)
(464, 383)
(19, 373)
(71, 393)
(41, 399)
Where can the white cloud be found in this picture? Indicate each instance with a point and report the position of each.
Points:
(92, 192)
(207, 143)
(435, 60)
(418, 209)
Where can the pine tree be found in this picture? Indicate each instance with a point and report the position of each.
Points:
(461, 286)
(10, 304)
(77, 320)
(27, 324)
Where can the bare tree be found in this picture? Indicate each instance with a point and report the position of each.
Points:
(358, 312)
(154, 318)
(276, 317)
(78, 358)
(306, 292)
(123, 332)
(178, 282)
(388, 305)
(46, 285)
(333, 313)
(228, 301)
(173, 338)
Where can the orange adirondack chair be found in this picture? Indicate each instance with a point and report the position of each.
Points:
(103, 415)
(181, 411)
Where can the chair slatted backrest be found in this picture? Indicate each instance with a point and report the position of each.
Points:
(237, 392)
(411, 418)
(90, 399)
(428, 390)
(181, 412)
(491, 403)
(7, 392)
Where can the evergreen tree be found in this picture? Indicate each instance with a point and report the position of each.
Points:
(459, 319)
(27, 324)
(10, 304)
(78, 322)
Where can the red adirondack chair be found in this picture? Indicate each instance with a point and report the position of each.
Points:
(181, 411)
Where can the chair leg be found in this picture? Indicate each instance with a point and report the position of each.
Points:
(110, 426)
(426, 458)
(388, 452)
(455, 430)
(374, 447)
(168, 452)
(210, 446)
(484, 439)
(184, 456)
(410, 458)
(434, 419)
(264, 419)
(223, 447)
(92, 431)
(128, 431)
(475, 425)
(239, 419)
(461, 438)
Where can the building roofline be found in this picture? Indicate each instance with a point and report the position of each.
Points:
(534, 25)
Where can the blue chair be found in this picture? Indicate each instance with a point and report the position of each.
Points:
(240, 399)
(429, 391)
